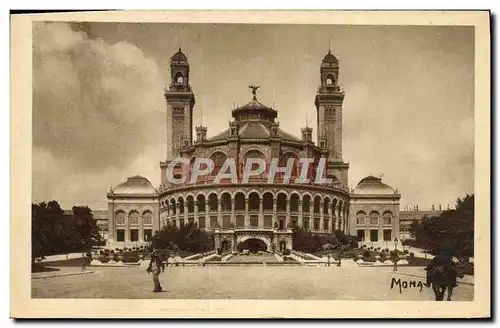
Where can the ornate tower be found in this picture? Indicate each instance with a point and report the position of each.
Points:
(180, 103)
(329, 100)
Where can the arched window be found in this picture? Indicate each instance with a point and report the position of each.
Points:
(133, 217)
(281, 203)
(330, 79)
(174, 207)
(226, 202)
(212, 202)
(147, 217)
(201, 203)
(254, 154)
(239, 201)
(180, 200)
(387, 217)
(267, 201)
(190, 203)
(179, 79)
(306, 204)
(120, 217)
(317, 203)
(326, 206)
(219, 158)
(360, 218)
(374, 218)
(253, 202)
(294, 203)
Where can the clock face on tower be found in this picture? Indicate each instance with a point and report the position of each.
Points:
(329, 81)
(179, 79)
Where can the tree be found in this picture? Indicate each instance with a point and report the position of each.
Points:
(54, 232)
(188, 237)
(85, 227)
(452, 230)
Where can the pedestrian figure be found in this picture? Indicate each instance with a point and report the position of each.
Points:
(156, 266)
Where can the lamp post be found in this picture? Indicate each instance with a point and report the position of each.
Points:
(396, 243)
(82, 241)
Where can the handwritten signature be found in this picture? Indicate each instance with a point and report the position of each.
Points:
(395, 283)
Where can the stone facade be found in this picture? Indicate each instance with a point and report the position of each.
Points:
(133, 213)
(374, 212)
(260, 209)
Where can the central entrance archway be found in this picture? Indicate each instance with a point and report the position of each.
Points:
(253, 245)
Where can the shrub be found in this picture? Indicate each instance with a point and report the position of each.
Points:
(286, 252)
(366, 254)
(364, 246)
(371, 247)
(387, 250)
(405, 251)
(112, 252)
(412, 255)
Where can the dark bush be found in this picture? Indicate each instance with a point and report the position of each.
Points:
(405, 251)
(286, 252)
(387, 250)
(366, 254)
(412, 255)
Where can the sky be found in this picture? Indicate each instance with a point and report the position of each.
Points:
(99, 113)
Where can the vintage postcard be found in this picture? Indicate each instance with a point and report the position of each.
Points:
(250, 165)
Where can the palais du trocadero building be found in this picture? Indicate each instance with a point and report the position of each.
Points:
(256, 214)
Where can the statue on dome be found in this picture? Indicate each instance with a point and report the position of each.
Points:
(254, 90)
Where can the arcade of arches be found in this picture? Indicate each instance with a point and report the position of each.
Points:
(267, 215)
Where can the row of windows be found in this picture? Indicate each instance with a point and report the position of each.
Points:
(254, 222)
(254, 201)
(219, 159)
(386, 235)
(133, 217)
(374, 218)
(134, 234)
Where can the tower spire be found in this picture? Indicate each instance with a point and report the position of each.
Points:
(329, 49)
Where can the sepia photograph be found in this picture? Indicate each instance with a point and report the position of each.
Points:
(256, 161)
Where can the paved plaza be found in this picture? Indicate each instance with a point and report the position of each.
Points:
(244, 282)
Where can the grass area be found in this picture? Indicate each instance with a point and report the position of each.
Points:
(69, 262)
(38, 267)
(417, 261)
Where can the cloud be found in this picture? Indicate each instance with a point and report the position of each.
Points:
(96, 108)
(95, 105)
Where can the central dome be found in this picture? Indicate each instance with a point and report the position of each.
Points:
(373, 186)
(135, 185)
(254, 110)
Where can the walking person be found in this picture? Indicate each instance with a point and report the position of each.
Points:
(444, 259)
(156, 266)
